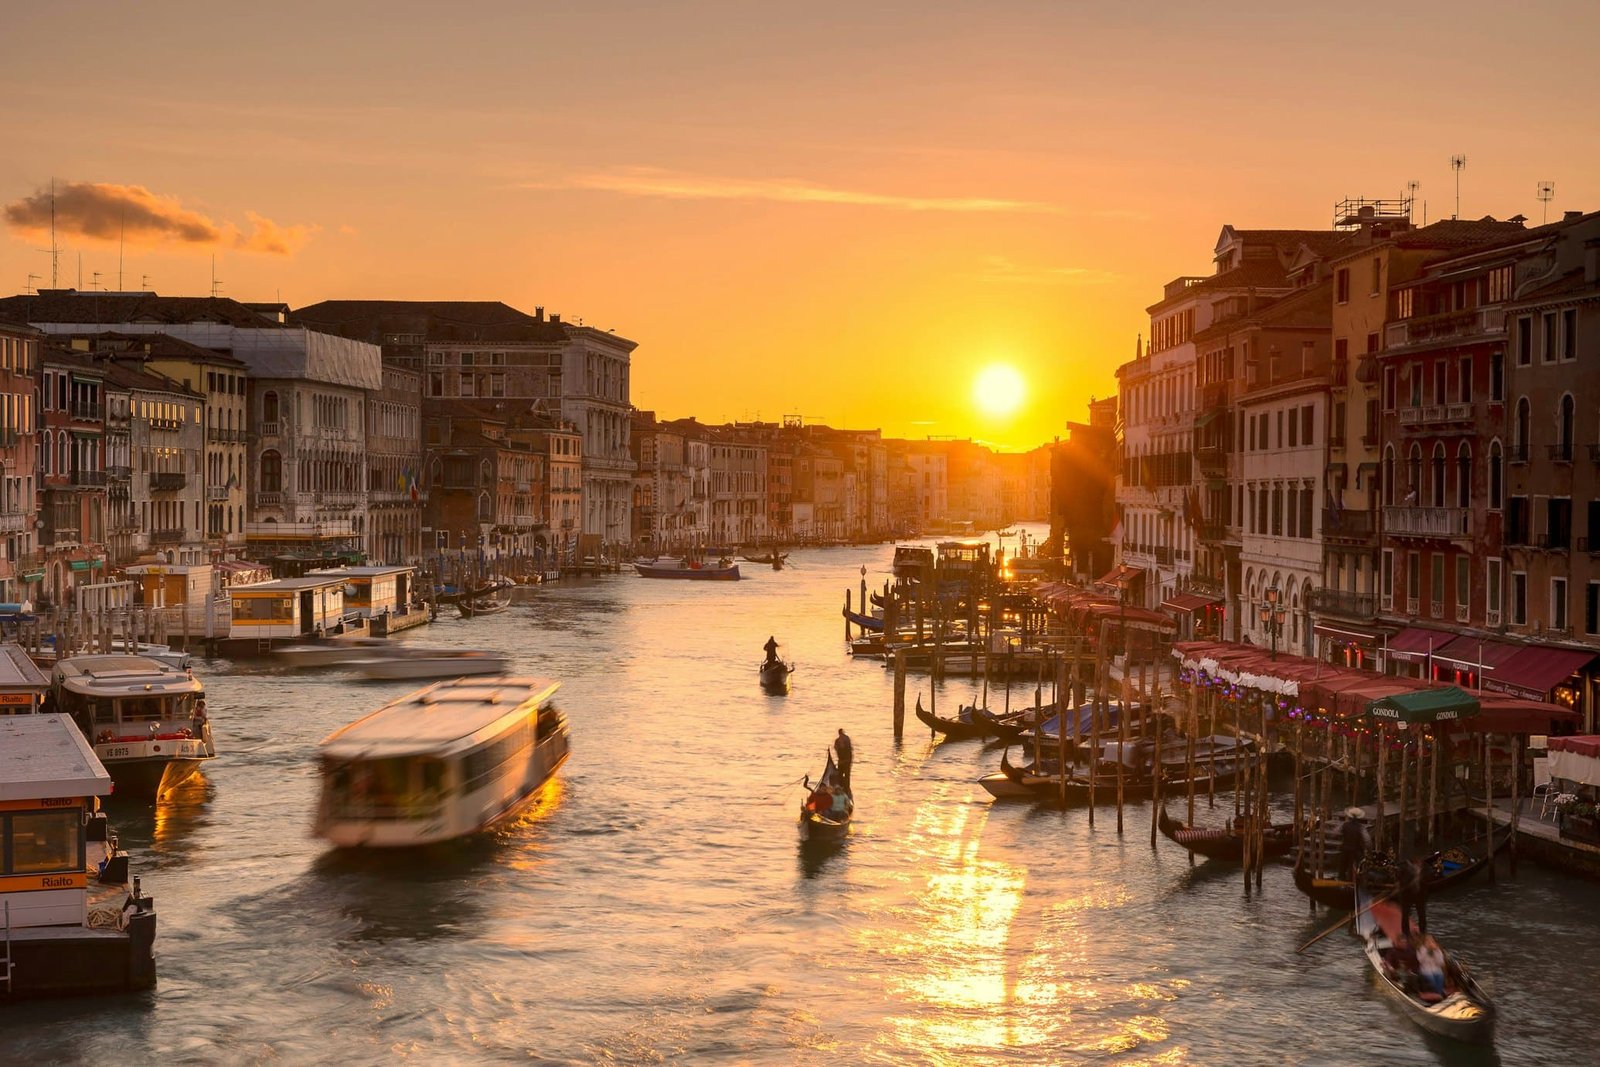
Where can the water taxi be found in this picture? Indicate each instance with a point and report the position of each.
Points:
(446, 761)
(146, 720)
(70, 922)
(415, 663)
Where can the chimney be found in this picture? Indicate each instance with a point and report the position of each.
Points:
(555, 320)
(538, 313)
(1571, 216)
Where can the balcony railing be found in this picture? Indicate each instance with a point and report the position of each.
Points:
(1436, 414)
(89, 412)
(1342, 602)
(165, 537)
(1347, 523)
(1589, 544)
(1163, 554)
(1561, 453)
(216, 492)
(1556, 541)
(1408, 521)
(269, 500)
(1413, 605)
(1213, 531)
(83, 477)
(166, 481)
(268, 429)
(1451, 326)
(14, 522)
(119, 473)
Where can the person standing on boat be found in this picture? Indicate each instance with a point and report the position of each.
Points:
(1353, 842)
(846, 753)
(772, 650)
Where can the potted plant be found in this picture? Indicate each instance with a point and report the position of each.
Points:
(1577, 818)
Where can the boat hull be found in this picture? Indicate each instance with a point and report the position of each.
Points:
(692, 574)
(775, 678)
(152, 768)
(1002, 787)
(431, 667)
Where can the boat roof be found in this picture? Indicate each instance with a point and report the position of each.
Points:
(440, 719)
(17, 671)
(43, 757)
(359, 572)
(129, 675)
(286, 585)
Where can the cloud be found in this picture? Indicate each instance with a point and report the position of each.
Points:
(1000, 269)
(103, 211)
(348, 230)
(667, 185)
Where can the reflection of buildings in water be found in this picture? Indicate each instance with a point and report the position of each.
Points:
(979, 985)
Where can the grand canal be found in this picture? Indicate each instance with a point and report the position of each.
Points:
(655, 907)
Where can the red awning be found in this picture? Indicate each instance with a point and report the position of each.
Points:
(1508, 715)
(1469, 652)
(1121, 574)
(1187, 603)
(1342, 633)
(1535, 669)
(1582, 744)
(1414, 642)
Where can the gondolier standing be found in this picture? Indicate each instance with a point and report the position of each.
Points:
(772, 650)
(1353, 843)
(846, 753)
(1414, 894)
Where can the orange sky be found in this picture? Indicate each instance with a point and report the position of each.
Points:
(828, 212)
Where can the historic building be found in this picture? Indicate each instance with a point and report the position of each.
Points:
(20, 573)
(394, 467)
(72, 474)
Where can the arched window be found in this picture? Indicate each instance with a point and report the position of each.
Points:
(1520, 431)
(271, 472)
(1388, 475)
(1496, 475)
(1437, 487)
(1564, 419)
(1414, 475)
(49, 453)
(1464, 476)
(269, 406)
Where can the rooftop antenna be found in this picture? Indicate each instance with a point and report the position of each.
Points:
(94, 280)
(215, 283)
(144, 282)
(1458, 164)
(55, 250)
(33, 290)
(80, 270)
(1411, 196)
(122, 234)
(1546, 193)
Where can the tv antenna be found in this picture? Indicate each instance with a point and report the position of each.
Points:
(94, 280)
(54, 249)
(33, 290)
(1458, 164)
(216, 283)
(1411, 196)
(1546, 193)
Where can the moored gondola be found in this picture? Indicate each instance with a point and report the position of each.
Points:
(1455, 864)
(1226, 843)
(970, 723)
(1460, 1009)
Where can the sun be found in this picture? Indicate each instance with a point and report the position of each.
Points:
(998, 390)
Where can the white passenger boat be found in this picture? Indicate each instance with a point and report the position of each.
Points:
(431, 663)
(146, 720)
(446, 761)
(333, 652)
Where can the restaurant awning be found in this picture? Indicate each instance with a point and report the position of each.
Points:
(1576, 759)
(1424, 706)
(1346, 633)
(1470, 652)
(1187, 603)
(1535, 669)
(1120, 575)
(1416, 642)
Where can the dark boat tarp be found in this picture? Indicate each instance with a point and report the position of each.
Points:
(1425, 706)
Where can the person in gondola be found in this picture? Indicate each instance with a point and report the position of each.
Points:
(1414, 894)
(846, 753)
(772, 650)
(1430, 965)
(1354, 842)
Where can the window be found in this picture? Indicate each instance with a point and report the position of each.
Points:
(1558, 604)
(1307, 424)
(1403, 303)
(1464, 379)
(1436, 482)
(1463, 586)
(1564, 419)
(1377, 275)
(1341, 350)
(1517, 521)
(1416, 372)
(1413, 578)
(1277, 512)
(1558, 522)
(1591, 608)
(1294, 433)
(1524, 341)
(1464, 475)
(1499, 285)
(1280, 429)
(1439, 381)
(1389, 388)
(1492, 591)
(1436, 585)
(44, 841)
(1305, 511)
(1372, 343)
(1519, 598)
(1388, 475)
(271, 472)
(1497, 377)
(1548, 351)
(1341, 286)
(1414, 475)
(1521, 431)
(269, 406)
(1386, 586)
(1569, 334)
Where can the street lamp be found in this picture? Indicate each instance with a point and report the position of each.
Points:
(1272, 616)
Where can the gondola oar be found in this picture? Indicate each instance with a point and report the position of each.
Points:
(1340, 924)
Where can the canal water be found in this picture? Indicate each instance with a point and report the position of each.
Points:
(655, 907)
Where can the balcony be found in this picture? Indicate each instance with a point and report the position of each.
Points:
(89, 412)
(1444, 523)
(1213, 531)
(167, 481)
(1341, 602)
(166, 537)
(14, 522)
(268, 429)
(1163, 554)
(1213, 460)
(216, 492)
(1453, 326)
(269, 500)
(1437, 414)
(119, 473)
(1561, 453)
(1590, 545)
(82, 477)
(1344, 523)
(1559, 541)
(1517, 454)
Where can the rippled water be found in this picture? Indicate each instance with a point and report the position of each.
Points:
(656, 908)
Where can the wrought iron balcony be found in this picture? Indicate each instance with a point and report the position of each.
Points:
(1411, 521)
(167, 481)
(1446, 328)
(88, 412)
(1561, 453)
(1345, 603)
(84, 477)
(1348, 523)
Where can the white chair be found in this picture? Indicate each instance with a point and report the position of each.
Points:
(1543, 790)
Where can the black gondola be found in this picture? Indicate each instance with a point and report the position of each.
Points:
(1226, 843)
(775, 675)
(1456, 864)
(489, 599)
(971, 723)
(1462, 1010)
(826, 811)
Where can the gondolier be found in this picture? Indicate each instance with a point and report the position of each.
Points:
(846, 754)
(1353, 842)
(772, 649)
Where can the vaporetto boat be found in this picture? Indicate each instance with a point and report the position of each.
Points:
(446, 761)
(146, 720)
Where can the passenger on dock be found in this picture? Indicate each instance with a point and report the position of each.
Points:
(1353, 842)
(772, 649)
(846, 754)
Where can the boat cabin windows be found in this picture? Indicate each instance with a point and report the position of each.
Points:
(263, 608)
(399, 787)
(483, 765)
(42, 842)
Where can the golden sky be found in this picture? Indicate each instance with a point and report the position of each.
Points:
(823, 210)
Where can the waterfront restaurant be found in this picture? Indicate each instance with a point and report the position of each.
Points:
(289, 608)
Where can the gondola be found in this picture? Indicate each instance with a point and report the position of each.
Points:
(1224, 844)
(773, 559)
(1456, 864)
(970, 723)
(490, 599)
(1027, 782)
(775, 676)
(826, 811)
(1463, 1011)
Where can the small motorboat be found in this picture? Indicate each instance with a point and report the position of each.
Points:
(825, 813)
(331, 653)
(433, 663)
(1461, 1010)
(725, 570)
(775, 675)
